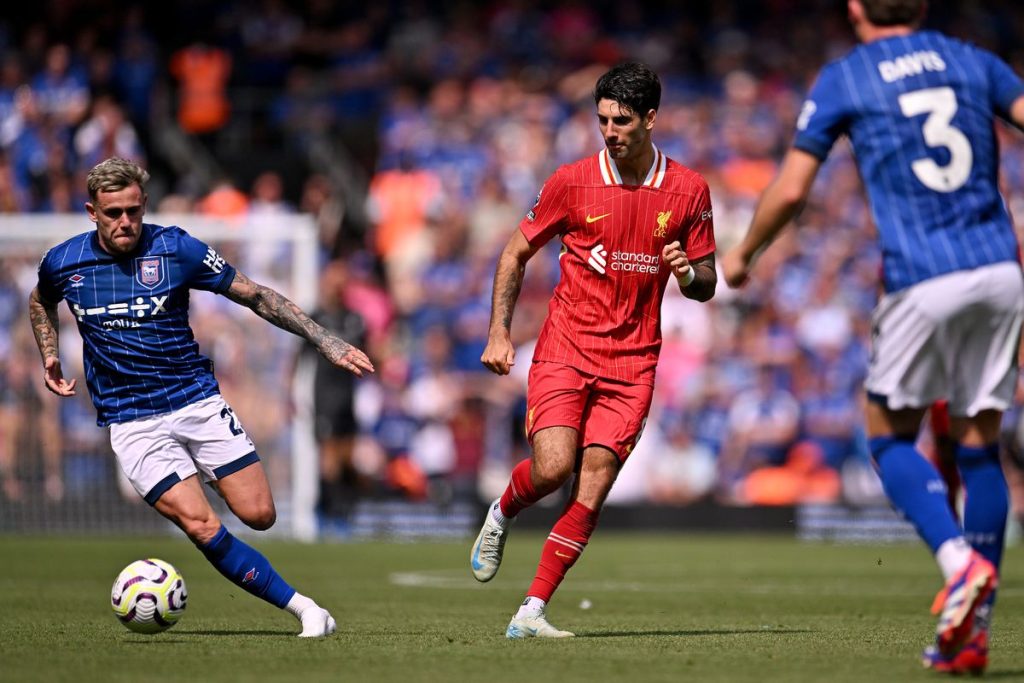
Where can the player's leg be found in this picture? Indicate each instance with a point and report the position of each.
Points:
(599, 468)
(917, 490)
(612, 421)
(247, 493)
(556, 397)
(915, 361)
(550, 466)
(944, 447)
(986, 503)
(985, 339)
(225, 456)
(185, 504)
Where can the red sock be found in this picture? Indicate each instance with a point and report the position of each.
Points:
(564, 546)
(519, 494)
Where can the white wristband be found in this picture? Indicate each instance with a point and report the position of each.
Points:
(688, 278)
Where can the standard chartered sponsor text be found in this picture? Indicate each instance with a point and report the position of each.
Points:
(635, 262)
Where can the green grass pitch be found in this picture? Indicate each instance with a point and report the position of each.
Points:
(662, 608)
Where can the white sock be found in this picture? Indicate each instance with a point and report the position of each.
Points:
(497, 515)
(531, 607)
(952, 556)
(299, 604)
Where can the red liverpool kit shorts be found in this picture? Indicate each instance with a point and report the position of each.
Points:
(604, 412)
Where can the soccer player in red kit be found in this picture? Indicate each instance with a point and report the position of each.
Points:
(629, 218)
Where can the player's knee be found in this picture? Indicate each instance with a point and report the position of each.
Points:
(200, 530)
(548, 476)
(261, 517)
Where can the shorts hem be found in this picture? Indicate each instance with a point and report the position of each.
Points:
(236, 465)
(161, 488)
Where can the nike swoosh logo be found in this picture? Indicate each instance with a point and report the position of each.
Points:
(476, 559)
(593, 219)
(561, 554)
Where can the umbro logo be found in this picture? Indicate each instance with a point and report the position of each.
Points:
(598, 258)
(594, 219)
(76, 280)
(250, 575)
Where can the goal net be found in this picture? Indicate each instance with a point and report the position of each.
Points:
(57, 472)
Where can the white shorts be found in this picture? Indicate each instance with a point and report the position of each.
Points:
(953, 337)
(157, 452)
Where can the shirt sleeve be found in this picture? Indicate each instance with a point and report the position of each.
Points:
(202, 267)
(700, 240)
(48, 288)
(1004, 84)
(550, 214)
(824, 115)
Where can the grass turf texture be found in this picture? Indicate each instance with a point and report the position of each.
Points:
(664, 608)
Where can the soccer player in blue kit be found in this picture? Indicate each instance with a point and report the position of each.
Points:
(127, 284)
(919, 109)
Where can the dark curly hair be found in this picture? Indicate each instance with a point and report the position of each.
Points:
(893, 12)
(633, 85)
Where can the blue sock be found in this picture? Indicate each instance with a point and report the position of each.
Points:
(915, 488)
(244, 566)
(986, 500)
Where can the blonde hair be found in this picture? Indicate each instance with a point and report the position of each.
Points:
(115, 174)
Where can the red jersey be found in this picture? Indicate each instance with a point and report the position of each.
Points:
(605, 314)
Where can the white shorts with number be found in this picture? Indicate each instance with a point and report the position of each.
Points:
(157, 452)
(953, 337)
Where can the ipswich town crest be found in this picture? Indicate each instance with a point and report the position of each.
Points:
(149, 271)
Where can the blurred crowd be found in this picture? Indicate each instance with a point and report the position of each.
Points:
(447, 120)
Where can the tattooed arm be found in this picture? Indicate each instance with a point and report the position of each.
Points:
(45, 325)
(499, 355)
(278, 310)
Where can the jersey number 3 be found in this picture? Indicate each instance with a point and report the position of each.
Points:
(940, 105)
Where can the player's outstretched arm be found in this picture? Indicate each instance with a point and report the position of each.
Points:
(45, 325)
(276, 309)
(779, 203)
(499, 354)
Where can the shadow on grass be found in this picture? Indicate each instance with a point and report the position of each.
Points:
(208, 632)
(703, 632)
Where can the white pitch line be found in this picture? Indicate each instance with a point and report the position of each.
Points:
(457, 580)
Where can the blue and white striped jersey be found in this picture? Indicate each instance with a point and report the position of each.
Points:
(140, 355)
(919, 111)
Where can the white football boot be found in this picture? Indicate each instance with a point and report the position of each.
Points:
(485, 557)
(534, 626)
(317, 623)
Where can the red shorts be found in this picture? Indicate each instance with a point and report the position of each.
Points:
(604, 412)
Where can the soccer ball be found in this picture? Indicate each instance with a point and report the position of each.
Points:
(149, 596)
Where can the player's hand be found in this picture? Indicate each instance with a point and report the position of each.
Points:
(499, 355)
(675, 257)
(346, 356)
(54, 377)
(735, 268)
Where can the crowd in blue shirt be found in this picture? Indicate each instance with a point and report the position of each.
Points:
(450, 120)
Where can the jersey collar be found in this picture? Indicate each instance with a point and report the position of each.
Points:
(610, 173)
